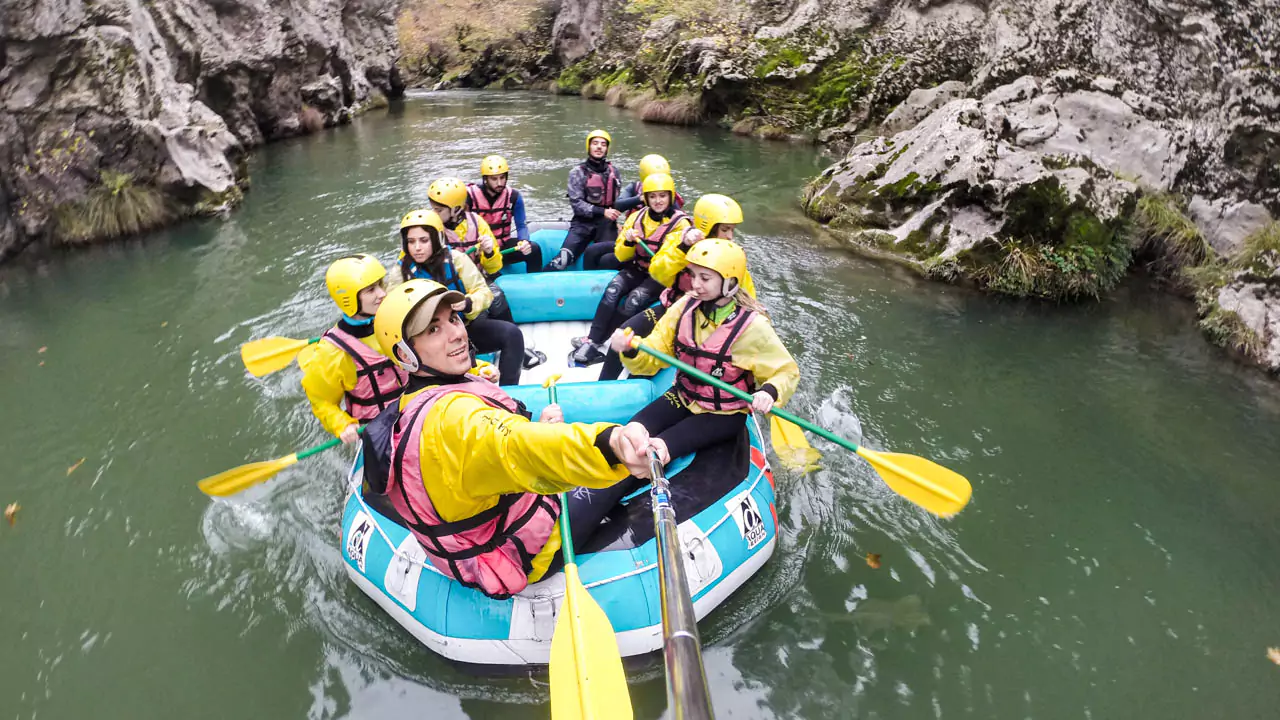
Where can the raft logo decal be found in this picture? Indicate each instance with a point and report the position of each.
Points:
(746, 515)
(358, 539)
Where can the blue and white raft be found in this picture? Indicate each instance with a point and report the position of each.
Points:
(724, 498)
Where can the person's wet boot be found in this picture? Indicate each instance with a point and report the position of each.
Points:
(561, 261)
(533, 358)
(586, 355)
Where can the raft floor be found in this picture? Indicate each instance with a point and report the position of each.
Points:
(553, 339)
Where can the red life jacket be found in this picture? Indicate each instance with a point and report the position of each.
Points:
(378, 379)
(714, 357)
(492, 551)
(499, 212)
(652, 241)
(601, 188)
(469, 242)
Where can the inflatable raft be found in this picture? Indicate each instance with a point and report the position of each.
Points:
(724, 499)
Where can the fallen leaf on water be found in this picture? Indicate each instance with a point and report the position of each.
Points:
(42, 349)
(164, 324)
(11, 512)
(873, 561)
(73, 468)
(1273, 654)
(41, 363)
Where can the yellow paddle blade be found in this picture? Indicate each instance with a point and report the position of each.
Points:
(586, 668)
(791, 446)
(232, 481)
(923, 482)
(265, 356)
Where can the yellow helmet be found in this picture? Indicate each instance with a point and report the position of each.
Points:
(449, 192)
(712, 210)
(650, 164)
(347, 276)
(396, 322)
(494, 165)
(598, 134)
(657, 182)
(724, 256)
(421, 218)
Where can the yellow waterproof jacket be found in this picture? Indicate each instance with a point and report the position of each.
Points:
(625, 251)
(471, 453)
(328, 374)
(756, 349)
(672, 259)
(474, 284)
(491, 263)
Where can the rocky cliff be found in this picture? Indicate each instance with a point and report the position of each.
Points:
(1031, 147)
(118, 115)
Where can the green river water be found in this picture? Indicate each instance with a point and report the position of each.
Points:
(1120, 558)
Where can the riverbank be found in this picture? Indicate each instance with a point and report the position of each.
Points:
(1124, 473)
(117, 120)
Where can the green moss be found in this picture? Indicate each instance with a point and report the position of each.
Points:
(572, 79)
(1050, 247)
(778, 55)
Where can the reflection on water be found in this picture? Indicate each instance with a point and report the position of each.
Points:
(1117, 559)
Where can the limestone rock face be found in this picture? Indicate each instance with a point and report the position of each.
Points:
(170, 93)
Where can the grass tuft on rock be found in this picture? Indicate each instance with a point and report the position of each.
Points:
(679, 110)
(310, 119)
(114, 208)
(1261, 250)
(1226, 330)
(1161, 232)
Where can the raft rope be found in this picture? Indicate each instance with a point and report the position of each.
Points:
(354, 486)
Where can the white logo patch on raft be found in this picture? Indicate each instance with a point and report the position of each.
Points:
(746, 515)
(358, 538)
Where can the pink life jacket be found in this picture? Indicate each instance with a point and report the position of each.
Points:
(493, 551)
(681, 287)
(469, 242)
(600, 188)
(378, 379)
(714, 357)
(497, 212)
(652, 241)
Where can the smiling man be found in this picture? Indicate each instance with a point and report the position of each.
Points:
(470, 475)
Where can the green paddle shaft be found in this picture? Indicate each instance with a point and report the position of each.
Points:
(324, 446)
(566, 534)
(696, 373)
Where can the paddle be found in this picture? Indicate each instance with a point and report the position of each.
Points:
(586, 668)
(237, 479)
(687, 694)
(265, 356)
(791, 446)
(923, 482)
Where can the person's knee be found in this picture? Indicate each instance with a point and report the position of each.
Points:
(638, 300)
(613, 292)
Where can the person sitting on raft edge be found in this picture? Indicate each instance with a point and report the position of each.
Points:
(646, 231)
(724, 333)
(593, 189)
(502, 208)
(714, 216)
(346, 368)
(632, 195)
(469, 474)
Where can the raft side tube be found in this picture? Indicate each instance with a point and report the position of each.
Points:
(549, 297)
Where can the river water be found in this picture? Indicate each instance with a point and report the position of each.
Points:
(1119, 558)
